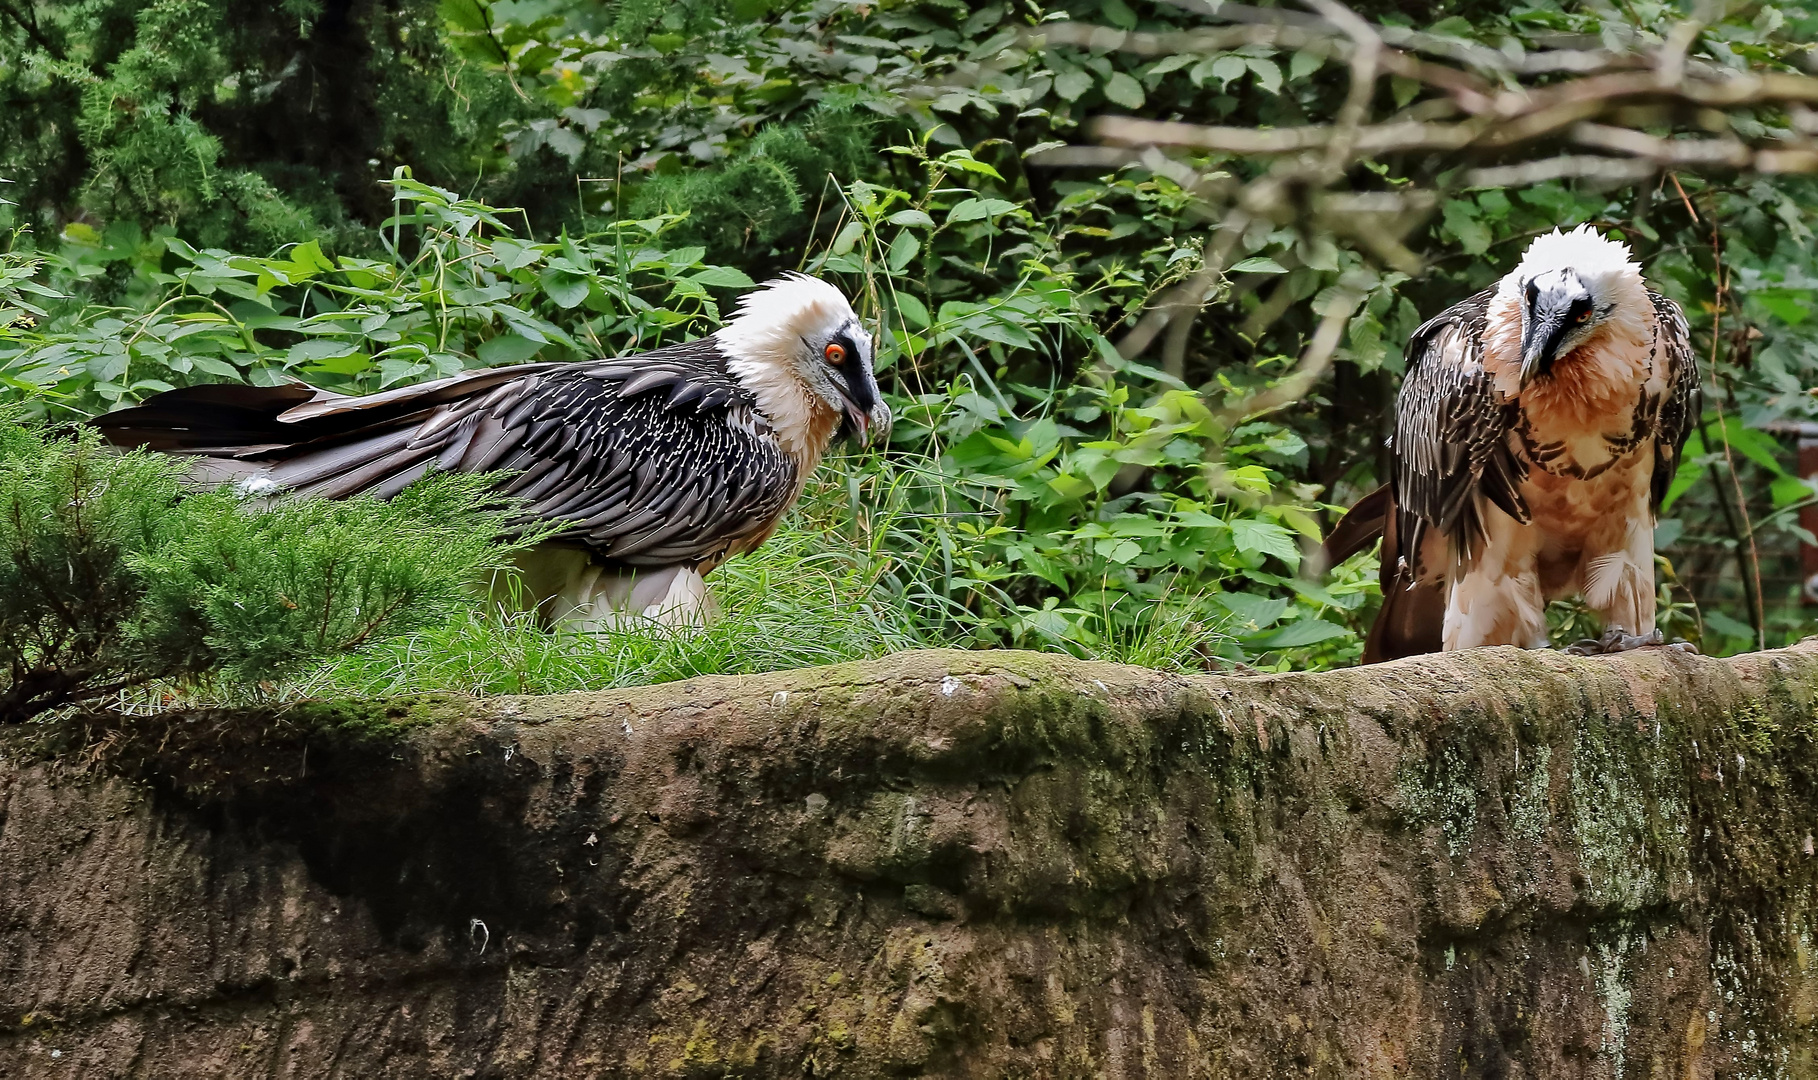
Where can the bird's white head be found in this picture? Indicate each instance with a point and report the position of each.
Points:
(794, 334)
(1571, 285)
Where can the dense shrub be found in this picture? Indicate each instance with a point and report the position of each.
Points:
(112, 576)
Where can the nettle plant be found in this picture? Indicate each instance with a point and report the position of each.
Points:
(459, 290)
(1110, 509)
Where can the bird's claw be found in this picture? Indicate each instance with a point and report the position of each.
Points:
(1616, 641)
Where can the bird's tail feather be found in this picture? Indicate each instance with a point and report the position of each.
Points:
(1359, 528)
(1413, 615)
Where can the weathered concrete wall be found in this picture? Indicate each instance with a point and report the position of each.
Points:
(1501, 864)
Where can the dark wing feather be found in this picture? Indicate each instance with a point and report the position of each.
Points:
(650, 460)
(1452, 438)
(1684, 398)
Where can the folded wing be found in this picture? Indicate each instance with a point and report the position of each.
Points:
(651, 460)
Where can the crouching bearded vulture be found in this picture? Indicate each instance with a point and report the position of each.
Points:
(1537, 429)
(653, 468)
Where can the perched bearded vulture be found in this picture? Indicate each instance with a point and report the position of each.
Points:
(656, 468)
(1537, 429)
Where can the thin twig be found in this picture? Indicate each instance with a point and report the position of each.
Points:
(1751, 566)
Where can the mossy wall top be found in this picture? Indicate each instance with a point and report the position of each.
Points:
(1499, 863)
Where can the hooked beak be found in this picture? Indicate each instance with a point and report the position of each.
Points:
(868, 427)
(1540, 337)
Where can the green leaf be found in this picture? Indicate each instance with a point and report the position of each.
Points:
(515, 254)
(1788, 490)
(914, 312)
(979, 210)
(465, 15)
(843, 243)
(1117, 551)
(1461, 221)
(1758, 446)
(1072, 84)
(965, 162)
(1252, 612)
(1727, 626)
(565, 288)
(1253, 537)
(1301, 633)
(507, 349)
(723, 277)
(1689, 473)
(1227, 68)
(1268, 74)
(1304, 64)
(1123, 90)
(902, 250)
(1786, 308)
(1259, 264)
(1118, 14)
(916, 218)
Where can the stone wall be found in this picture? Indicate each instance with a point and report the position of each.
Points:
(1499, 864)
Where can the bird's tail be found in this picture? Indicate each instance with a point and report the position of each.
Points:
(302, 439)
(1413, 615)
(568, 590)
(1359, 528)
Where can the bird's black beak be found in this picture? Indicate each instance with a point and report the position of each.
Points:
(1541, 334)
(1553, 311)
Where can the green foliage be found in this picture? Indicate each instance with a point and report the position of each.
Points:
(745, 204)
(242, 125)
(111, 576)
(467, 294)
(1041, 490)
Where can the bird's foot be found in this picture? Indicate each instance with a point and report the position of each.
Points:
(1616, 641)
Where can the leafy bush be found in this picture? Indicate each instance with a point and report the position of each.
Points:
(111, 576)
(235, 124)
(459, 290)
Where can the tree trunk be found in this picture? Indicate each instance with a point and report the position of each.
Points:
(1501, 863)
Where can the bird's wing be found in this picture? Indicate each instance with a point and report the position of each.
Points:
(1451, 442)
(655, 459)
(645, 466)
(1683, 404)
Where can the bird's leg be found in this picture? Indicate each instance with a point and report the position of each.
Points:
(1619, 587)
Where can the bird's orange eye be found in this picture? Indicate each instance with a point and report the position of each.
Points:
(836, 354)
(1584, 316)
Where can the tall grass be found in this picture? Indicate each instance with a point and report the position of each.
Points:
(803, 599)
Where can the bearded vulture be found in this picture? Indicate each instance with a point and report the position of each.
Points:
(654, 468)
(1536, 432)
